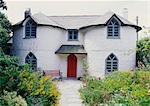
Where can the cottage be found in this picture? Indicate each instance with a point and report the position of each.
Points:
(107, 42)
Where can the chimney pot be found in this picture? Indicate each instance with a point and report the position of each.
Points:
(27, 13)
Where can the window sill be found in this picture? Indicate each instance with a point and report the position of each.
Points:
(73, 40)
(113, 37)
(29, 37)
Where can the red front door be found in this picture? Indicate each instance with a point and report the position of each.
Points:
(72, 66)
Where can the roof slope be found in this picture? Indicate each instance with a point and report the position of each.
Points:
(71, 49)
(77, 22)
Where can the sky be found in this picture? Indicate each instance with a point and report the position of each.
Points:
(140, 8)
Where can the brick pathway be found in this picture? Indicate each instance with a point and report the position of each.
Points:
(69, 92)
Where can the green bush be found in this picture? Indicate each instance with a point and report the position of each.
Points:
(38, 90)
(7, 61)
(11, 99)
(126, 88)
(143, 52)
(9, 72)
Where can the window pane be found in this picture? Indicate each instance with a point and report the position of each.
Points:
(111, 56)
(108, 62)
(75, 36)
(75, 32)
(70, 32)
(70, 36)
(108, 67)
(115, 61)
(108, 70)
(116, 30)
(110, 34)
(116, 35)
(114, 67)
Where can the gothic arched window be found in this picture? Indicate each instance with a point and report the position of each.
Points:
(111, 63)
(30, 29)
(113, 28)
(31, 60)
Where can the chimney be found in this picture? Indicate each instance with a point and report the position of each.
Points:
(27, 13)
(125, 13)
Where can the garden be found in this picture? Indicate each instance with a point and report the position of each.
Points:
(121, 88)
(20, 86)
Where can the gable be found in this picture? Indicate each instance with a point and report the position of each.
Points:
(28, 19)
(116, 18)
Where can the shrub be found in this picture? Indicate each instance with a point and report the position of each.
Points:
(85, 72)
(7, 61)
(126, 88)
(143, 52)
(38, 89)
(11, 99)
(8, 72)
(9, 79)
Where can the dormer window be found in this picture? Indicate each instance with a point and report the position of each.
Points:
(30, 29)
(113, 28)
(72, 34)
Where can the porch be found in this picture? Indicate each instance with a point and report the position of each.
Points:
(71, 60)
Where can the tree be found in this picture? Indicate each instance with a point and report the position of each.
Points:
(5, 30)
(143, 52)
(3, 5)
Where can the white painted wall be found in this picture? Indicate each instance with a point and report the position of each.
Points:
(43, 47)
(99, 47)
(47, 41)
(95, 41)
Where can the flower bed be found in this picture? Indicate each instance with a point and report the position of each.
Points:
(126, 88)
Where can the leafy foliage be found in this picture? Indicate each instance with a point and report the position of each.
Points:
(85, 72)
(7, 61)
(143, 52)
(5, 23)
(126, 88)
(5, 30)
(8, 72)
(37, 89)
(11, 99)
